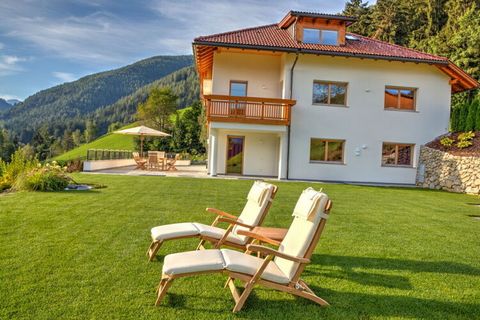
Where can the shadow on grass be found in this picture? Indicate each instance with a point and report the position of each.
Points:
(347, 263)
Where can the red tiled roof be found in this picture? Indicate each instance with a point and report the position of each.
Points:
(271, 37)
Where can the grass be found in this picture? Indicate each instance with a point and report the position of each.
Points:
(386, 253)
(108, 141)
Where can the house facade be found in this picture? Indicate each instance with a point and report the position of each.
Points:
(305, 99)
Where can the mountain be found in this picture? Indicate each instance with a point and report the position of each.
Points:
(13, 102)
(55, 107)
(4, 105)
(183, 82)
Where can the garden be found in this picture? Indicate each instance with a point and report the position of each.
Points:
(386, 252)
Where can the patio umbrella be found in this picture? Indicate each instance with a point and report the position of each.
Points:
(142, 131)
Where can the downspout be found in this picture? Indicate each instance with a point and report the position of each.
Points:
(288, 127)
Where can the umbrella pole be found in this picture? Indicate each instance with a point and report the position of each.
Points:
(141, 146)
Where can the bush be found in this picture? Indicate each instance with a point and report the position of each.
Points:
(465, 139)
(50, 177)
(19, 164)
(447, 142)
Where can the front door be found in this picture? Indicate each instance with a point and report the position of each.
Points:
(235, 155)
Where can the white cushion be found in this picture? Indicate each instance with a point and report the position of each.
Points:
(217, 233)
(193, 261)
(174, 230)
(299, 236)
(243, 263)
(257, 192)
(306, 203)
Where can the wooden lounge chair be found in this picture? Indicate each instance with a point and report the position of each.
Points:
(139, 161)
(280, 269)
(259, 200)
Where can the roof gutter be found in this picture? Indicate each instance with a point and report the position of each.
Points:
(318, 52)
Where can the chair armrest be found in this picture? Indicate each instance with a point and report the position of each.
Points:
(269, 251)
(231, 221)
(221, 213)
(258, 237)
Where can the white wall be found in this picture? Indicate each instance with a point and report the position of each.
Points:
(261, 71)
(364, 121)
(107, 164)
(260, 156)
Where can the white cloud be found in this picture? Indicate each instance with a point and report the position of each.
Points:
(9, 96)
(64, 76)
(9, 64)
(163, 26)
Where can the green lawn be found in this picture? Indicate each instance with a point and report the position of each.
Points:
(108, 141)
(386, 253)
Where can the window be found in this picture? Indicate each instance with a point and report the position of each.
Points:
(333, 93)
(397, 154)
(326, 150)
(400, 98)
(318, 36)
(238, 88)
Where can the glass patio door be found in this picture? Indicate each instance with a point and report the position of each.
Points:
(238, 89)
(235, 155)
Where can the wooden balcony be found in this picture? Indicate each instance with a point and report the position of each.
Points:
(252, 110)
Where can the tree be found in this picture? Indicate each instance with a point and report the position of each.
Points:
(77, 137)
(361, 11)
(158, 108)
(471, 117)
(90, 131)
(477, 118)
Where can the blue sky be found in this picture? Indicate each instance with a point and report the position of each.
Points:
(47, 42)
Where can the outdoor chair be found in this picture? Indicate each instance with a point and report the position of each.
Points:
(153, 163)
(259, 200)
(279, 269)
(171, 163)
(139, 161)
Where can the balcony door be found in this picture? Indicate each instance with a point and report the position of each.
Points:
(238, 89)
(235, 154)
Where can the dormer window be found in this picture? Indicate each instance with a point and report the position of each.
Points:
(320, 36)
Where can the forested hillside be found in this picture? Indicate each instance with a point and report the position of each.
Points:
(449, 28)
(4, 105)
(63, 107)
(184, 84)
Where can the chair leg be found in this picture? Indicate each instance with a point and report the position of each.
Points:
(200, 245)
(227, 282)
(162, 290)
(243, 297)
(153, 249)
(308, 293)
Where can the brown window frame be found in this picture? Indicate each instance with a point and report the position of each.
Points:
(329, 83)
(399, 88)
(397, 144)
(325, 158)
(320, 35)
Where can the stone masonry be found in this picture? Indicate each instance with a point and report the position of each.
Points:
(443, 171)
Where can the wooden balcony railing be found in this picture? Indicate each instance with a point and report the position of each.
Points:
(222, 108)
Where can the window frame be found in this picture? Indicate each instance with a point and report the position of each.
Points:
(400, 88)
(396, 165)
(325, 157)
(329, 83)
(320, 36)
(240, 82)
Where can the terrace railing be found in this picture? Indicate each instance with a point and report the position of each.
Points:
(105, 154)
(253, 110)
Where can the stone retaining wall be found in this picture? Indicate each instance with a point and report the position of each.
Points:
(441, 170)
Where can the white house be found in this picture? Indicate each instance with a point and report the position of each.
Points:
(304, 99)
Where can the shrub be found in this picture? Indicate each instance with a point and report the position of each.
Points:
(447, 142)
(19, 164)
(465, 139)
(50, 177)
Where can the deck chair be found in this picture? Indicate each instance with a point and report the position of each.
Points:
(139, 161)
(280, 269)
(259, 200)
